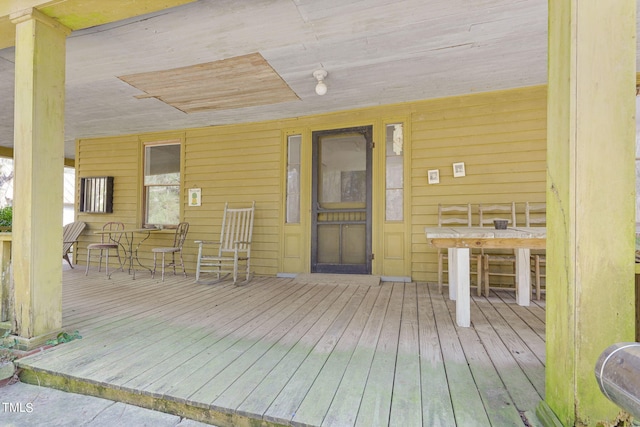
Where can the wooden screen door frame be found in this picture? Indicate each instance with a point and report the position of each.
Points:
(364, 268)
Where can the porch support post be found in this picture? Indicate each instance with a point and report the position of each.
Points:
(39, 166)
(590, 202)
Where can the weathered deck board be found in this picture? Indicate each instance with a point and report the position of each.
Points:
(105, 304)
(187, 353)
(153, 323)
(301, 354)
(264, 394)
(498, 403)
(317, 401)
(349, 393)
(376, 400)
(519, 319)
(224, 335)
(437, 409)
(196, 340)
(406, 405)
(251, 378)
(465, 396)
(158, 351)
(510, 343)
(531, 315)
(221, 370)
(286, 404)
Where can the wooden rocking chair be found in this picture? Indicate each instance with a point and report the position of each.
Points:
(234, 246)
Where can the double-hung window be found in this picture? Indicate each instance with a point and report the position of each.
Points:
(162, 183)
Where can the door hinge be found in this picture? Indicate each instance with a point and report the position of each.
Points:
(372, 145)
(372, 256)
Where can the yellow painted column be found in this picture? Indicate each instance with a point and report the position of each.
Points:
(590, 198)
(39, 166)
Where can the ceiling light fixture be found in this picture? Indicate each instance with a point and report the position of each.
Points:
(321, 87)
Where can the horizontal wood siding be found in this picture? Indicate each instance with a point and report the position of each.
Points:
(236, 164)
(117, 157)
(501, 138)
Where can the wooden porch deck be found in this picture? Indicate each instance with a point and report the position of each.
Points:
(291, 354)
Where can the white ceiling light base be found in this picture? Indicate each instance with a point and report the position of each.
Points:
(321, 87)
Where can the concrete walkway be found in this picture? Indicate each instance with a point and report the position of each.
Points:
(32, 406)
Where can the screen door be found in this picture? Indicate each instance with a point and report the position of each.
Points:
(341, 217)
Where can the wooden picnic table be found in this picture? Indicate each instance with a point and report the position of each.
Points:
(459, 241)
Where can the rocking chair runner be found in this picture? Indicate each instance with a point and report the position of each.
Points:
(234, 246)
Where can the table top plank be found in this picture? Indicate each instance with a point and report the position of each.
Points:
(487, 232)
(484, 237)
(488, 243)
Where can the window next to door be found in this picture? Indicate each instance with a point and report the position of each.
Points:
(162, 183)
(294, 143)
(394, 150)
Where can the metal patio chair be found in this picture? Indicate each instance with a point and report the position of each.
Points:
(233, 248)
(108, 242)
(178, 241)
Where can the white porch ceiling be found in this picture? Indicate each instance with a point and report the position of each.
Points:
(375, 51)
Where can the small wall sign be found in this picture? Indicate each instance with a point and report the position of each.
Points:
(195, 196)
(458, 170)
(434, 176)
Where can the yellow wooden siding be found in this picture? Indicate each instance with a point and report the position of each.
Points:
(236, 165)
(117, 157)
(500, 136)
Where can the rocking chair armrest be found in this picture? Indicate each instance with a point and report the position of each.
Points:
(206, 242)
